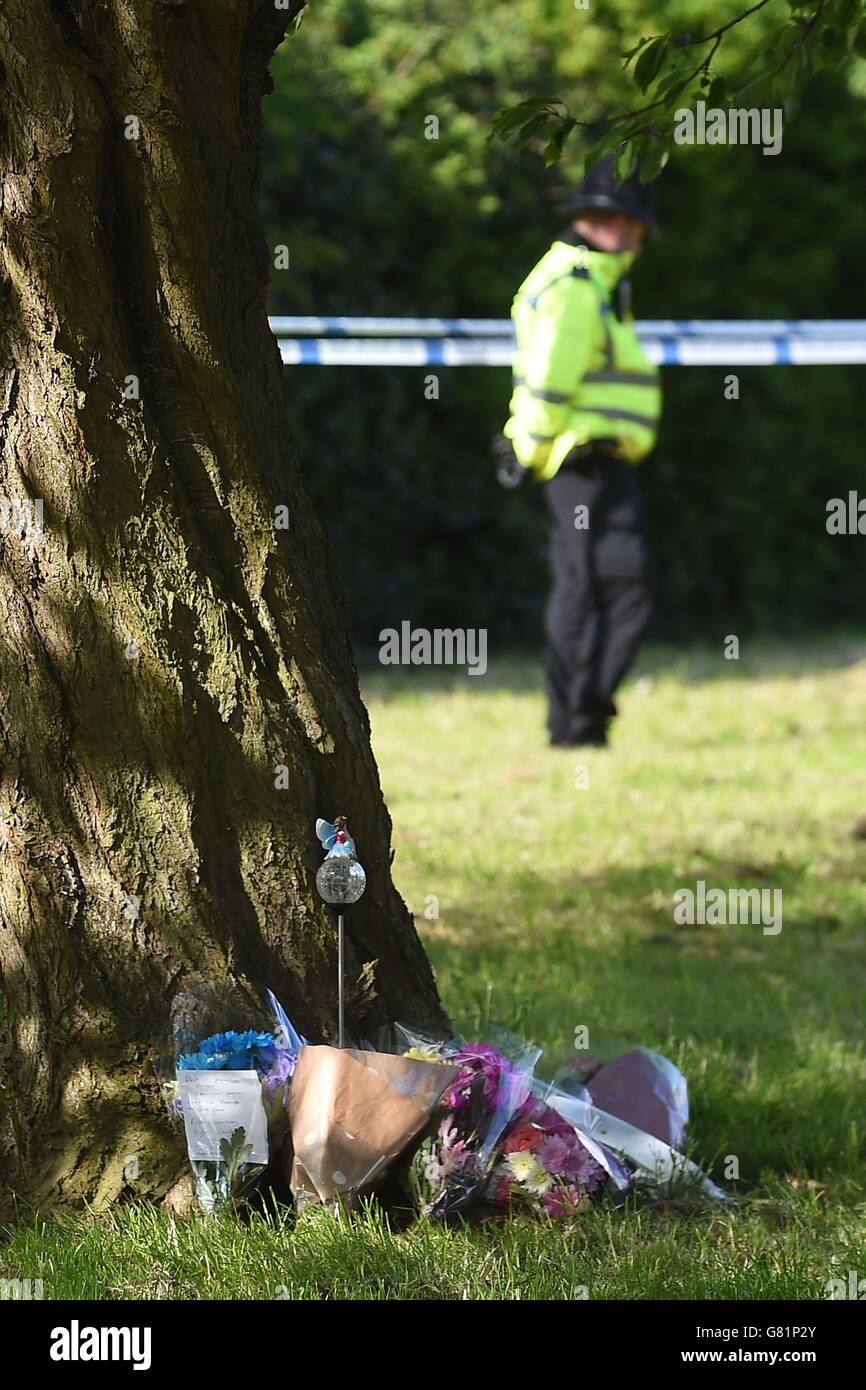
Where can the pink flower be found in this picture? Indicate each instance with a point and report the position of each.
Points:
(523, 1136)
(502, 1192)
(564, 1201)
(453, 1153)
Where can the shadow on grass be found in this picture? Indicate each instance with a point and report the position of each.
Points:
(767, 1028)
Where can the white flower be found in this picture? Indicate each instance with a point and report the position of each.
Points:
(525, 1168)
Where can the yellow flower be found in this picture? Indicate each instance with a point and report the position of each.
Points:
(525, 1168)
(424, 1054)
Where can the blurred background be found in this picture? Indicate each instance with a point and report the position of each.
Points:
(381, 220)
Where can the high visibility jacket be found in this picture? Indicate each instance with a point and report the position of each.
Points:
(580, 373)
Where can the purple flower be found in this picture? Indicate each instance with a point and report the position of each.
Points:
(567, 1158)
(554, 1153)
(275, 1065)
(500, 1077)
(584, 1169)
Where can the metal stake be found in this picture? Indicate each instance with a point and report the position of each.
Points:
(340, 942)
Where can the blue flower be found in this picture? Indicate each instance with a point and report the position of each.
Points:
(227, 1052)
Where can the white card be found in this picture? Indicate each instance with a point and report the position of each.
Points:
(215, 1104)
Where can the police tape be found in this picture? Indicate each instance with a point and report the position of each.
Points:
(359, 326)
(364, 327)
(720, 349)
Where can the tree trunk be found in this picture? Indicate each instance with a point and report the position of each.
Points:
(167, 647)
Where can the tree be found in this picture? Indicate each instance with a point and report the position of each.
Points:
(178, 699)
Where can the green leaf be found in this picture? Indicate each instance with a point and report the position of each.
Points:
(533, 126)
(673, 79)
(650, 62)
(623, 161)
(233, 1152)
(530, 105)
(608, 141)
(511, 118)
(652, 163)
(507, 120)
(627, 57)
(553, 152)
(758, 93)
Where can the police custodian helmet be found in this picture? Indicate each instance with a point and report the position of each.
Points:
(600, 192)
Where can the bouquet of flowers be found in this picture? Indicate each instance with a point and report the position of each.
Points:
(548, 1166)
(229, 1087)
(638, 1106)
(352, 1114)
(500, 1143)
(450, 1169)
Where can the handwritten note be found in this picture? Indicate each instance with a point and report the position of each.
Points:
(215, 1104)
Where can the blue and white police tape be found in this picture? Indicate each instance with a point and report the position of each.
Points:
(399, 352)
(490, 342)
(359, 326)
(362, 327)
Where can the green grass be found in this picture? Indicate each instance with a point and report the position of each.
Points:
(554, 909)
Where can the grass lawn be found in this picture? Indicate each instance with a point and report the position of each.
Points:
(552, 873)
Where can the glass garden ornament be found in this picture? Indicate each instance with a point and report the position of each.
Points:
(341, 881)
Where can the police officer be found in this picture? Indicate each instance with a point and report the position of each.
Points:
(585, 409)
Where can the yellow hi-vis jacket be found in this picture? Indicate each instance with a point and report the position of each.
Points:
(580, 373)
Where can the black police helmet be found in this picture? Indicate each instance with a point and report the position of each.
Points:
(600, 192)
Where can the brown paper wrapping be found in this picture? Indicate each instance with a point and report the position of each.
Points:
(351, 1114)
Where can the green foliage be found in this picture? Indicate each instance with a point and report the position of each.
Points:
(768, 57)
(234, 1152)
(381, 219)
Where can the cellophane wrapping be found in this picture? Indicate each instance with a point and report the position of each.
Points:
(224, 1071)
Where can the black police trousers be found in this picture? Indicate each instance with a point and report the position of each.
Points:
(601, 597)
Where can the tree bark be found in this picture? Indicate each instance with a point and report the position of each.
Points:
(166, 647)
